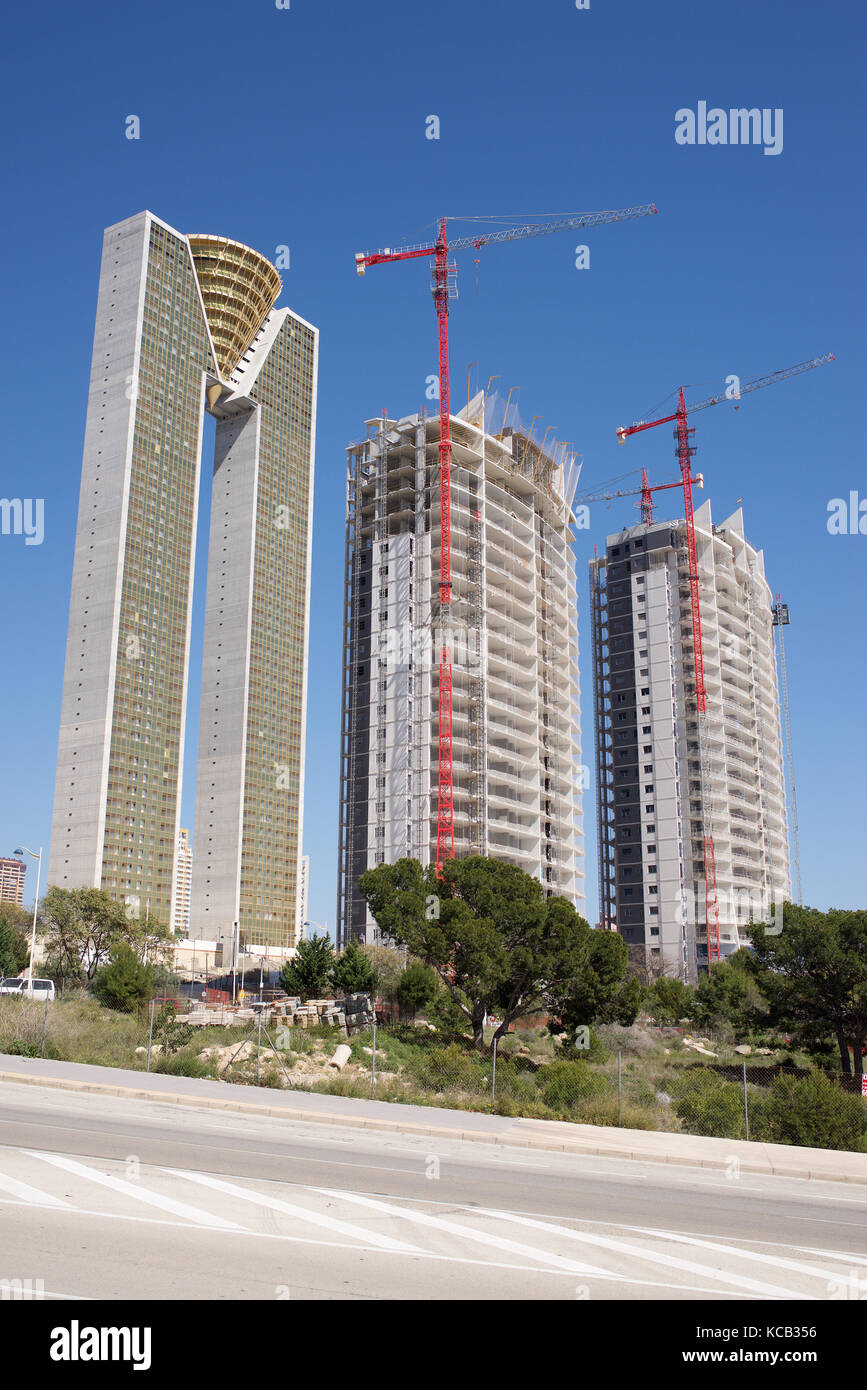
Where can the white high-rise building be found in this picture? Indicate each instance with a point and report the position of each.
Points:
(180, 920)
(516, 743)
(664, 787)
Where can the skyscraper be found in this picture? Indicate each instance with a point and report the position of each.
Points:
(180, 921)
(664, 786)
(516, 743)
(187, 324)
(12, 874)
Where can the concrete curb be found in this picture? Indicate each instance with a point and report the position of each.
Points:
(578, 1145)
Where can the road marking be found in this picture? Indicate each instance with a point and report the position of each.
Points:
(329, 1223)
(354, 1249)
(136, 1191)
(779, 1261)
(441, 1224)
(30, 1194)
(622, 1247)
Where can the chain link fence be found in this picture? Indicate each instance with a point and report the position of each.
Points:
(585, 1082)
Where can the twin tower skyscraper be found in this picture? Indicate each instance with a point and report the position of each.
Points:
(187, 325)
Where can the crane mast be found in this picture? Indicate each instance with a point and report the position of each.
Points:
(442, 274)
(683, 433)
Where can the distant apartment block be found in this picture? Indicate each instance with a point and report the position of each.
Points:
(187, 325)
(12, 872)
(516, 744)
(180, 921)
(662, 788)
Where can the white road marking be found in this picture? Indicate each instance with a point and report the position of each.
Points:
(622, 1247)
(136, 1191)
(442, 1224)
(26, 1193)
(779, 1261)
(329, 1223)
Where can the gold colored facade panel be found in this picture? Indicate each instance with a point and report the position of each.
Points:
(239, 288)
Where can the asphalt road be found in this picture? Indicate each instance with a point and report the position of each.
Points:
(103, 1198)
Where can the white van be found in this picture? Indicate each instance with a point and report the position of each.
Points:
(23, 988)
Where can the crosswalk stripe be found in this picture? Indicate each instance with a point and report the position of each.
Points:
(136, 1191)
(622, 1247)
(442, 1224)
(26, 1193)
(330, 1223)
(779, 1261)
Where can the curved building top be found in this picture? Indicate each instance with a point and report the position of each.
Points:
(239, 288)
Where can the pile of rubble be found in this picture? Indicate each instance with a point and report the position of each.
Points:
(351, 1015)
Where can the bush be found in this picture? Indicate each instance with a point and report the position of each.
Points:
(596, 1051)
(183, 1064)
(563, 1085)
(813, 1111)
(125, 983)
(706, 1104)
(20, 1049)
(417, 986)
(448, 1068)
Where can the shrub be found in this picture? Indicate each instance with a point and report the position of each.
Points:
(448, 1068)
(125, 983)
(20, 1049)
(563, 1085)
(813, 1111)
(183, 1064)
(416, 987)
(706, 1104)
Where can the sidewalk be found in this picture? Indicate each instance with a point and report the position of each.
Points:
(648, 1146)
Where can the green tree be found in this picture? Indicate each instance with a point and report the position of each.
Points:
(125, 982)
(389, 966)
(353, 972)
(813, 974)
(308, 975)
(728, 994)
(669, 1000)
(14, 946)
(82, 925)
(599, 989)
(416, 987)
(498, 945)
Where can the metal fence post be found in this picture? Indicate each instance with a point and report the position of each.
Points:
(150, 1035)
(258, 1044)
(494, 1072)
(373, 1062)
(620, 1088)
(44, 1026)
(746, 1102)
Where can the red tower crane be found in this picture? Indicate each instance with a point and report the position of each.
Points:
(646, 491)
(684, 453)
(443, 275)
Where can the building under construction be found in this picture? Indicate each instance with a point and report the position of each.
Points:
(665, 789)
(513, 637)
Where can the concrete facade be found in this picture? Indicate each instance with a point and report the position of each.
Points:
(516, 743)
(155, 372)
(663, 783)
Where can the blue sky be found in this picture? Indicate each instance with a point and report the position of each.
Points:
(306, 127)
